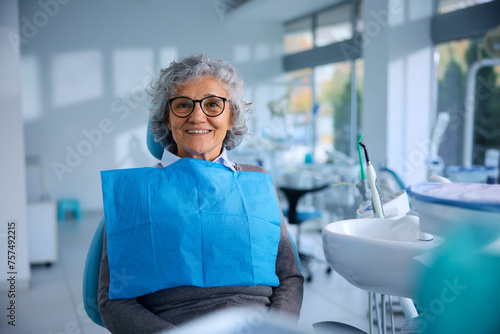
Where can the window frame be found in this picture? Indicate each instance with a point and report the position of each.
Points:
(464, 23)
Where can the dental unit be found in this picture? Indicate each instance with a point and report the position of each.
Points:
(378, 251)
(390, 250)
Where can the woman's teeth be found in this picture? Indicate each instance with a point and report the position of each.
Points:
(197, 131)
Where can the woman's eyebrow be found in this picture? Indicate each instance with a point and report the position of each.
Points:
(205, 95)
(209, 94)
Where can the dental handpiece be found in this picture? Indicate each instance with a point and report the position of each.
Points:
(371, 175)
(372, 180)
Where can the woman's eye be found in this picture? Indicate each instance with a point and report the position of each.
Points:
(212, 103)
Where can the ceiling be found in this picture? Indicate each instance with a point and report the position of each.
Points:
(278, 10)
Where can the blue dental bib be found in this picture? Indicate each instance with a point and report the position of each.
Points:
(192, 223)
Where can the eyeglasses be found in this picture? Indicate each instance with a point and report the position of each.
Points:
(212, 106)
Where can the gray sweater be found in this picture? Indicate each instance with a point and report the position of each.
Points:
(166, 309)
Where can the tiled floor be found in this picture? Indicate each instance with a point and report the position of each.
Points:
(54, 304)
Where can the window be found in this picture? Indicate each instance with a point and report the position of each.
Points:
(333, 25)
(300, 113)
(333, 117)
(298, 35)
(300, 91)
(333, 93)
(319, 111)
(446, 6)
(455, 60)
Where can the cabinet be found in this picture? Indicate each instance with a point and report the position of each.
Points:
(42, 232)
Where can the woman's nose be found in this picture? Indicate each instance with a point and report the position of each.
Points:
(197, 114)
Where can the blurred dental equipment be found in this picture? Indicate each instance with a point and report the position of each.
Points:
(491, 158)
(435, 164)
(470, 95)
(443, 119)
(492, 45)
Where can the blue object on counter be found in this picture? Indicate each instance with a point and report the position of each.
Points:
(68, 205)
(193, 223)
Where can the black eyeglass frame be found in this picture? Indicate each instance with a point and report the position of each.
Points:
(194, 104)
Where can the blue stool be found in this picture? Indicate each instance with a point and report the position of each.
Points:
(66, 205)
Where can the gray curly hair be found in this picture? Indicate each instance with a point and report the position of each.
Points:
(185, 70)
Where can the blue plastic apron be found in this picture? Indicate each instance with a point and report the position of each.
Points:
(192, 223)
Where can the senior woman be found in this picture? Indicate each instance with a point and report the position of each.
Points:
(216, 223)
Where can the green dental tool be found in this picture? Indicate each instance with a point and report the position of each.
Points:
(363, 176)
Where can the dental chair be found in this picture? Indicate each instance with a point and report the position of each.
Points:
(91, 275)
(94, 253)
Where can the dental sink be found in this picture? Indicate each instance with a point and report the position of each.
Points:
(378, 255)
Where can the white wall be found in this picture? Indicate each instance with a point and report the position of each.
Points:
(12, 171)
(397, 99)
(86, 64)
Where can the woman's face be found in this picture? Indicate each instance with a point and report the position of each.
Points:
(199, 136)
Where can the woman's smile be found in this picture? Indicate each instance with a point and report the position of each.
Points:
(198, 131)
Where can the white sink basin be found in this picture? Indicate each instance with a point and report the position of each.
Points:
(377, 255)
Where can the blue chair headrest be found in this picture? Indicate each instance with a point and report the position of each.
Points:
(154, 147)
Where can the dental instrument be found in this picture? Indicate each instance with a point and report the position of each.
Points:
(372, 180)
(435, 164)
(363, 184)
(395, 206)
(443, 119)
